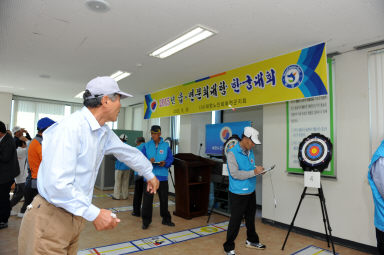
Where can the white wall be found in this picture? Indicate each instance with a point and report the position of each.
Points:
(348, 198)
(192, 132)
(5, 106)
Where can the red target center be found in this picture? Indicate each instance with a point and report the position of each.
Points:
(314, 151)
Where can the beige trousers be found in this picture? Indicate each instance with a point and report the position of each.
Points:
(120, 190)
(47, 229)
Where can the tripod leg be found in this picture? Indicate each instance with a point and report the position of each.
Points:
(321, 198)
(170, 173)
(210, 211)
(294, 217)
(327, 220)
(213, 204)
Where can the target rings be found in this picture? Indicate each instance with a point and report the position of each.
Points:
(315, 152)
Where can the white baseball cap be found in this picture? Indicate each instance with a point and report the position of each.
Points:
(123, 137)
(105, 86)
(252, 134)
(15, 129)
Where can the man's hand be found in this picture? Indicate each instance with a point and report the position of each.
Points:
(23, 138)
(152, 160)
(162, 163)
(105, 220)
(153, 185)
(258, 170)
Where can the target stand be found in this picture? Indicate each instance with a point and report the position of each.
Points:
(315, 153)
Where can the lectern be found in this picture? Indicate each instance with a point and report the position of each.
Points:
(192, 179)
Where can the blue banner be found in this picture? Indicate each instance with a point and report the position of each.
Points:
(217, 134)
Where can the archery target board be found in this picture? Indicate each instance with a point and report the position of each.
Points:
(315, 151)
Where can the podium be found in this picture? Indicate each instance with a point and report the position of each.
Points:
(192, 181)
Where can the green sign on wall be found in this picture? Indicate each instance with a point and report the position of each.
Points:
(130, 134)
(307, 116)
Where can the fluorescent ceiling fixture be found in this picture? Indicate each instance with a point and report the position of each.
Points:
(119, 75)
(80, 95)
(196, 35)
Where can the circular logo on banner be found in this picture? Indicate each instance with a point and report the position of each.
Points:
(293, 76)
(153, 105)
(225, 133)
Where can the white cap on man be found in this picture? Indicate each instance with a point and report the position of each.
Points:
(16, 129)
(123, 137)
(105, 86)
(252, 134)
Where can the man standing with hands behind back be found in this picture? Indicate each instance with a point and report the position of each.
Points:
(160, 155)
(242, 183)
(73, 150)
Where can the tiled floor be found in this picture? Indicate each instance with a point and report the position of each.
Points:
(130, 229)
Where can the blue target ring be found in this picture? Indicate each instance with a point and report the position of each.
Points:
(314, 151)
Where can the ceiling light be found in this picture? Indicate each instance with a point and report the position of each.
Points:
(195, 35)
(119, 75)
(98, 5)
(80, 95)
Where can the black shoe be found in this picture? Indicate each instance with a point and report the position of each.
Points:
(145, 226)
(135, 214)
(168, 223)
(3, 225)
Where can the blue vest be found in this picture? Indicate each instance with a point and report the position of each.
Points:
(377, 199)
(120, 165)
(139, 148)
(245, 163)
(160, 154)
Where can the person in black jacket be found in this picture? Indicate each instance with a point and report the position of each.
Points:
(9, 169)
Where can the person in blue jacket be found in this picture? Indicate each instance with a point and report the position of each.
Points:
(376, 181)
(242, 183)
(159, 153)
(139, 183)
(122, 173)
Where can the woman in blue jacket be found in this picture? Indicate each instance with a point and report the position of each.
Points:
(160, 155)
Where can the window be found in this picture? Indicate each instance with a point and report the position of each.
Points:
(175, 133)
(376, 98)
(138, 116)
(27, 112)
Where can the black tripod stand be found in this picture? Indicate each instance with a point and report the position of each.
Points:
(327, 226)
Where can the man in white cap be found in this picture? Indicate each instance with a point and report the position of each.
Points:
(72, 151)
(18, 137)
(242, 183)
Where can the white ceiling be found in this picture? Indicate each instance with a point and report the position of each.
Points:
(67, 42)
